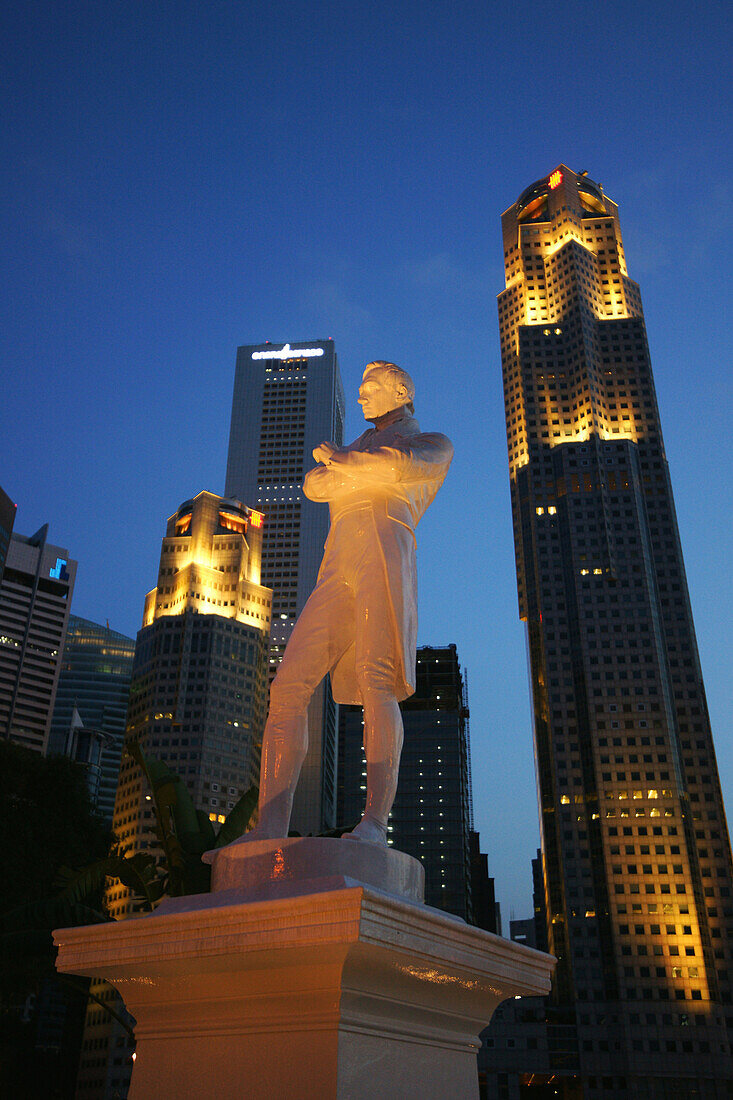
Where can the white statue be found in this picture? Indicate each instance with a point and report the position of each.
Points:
(360, 622)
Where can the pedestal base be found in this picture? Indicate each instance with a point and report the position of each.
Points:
(339, 995)
(256, 870)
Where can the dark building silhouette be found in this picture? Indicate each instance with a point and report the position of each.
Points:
(635, 850)
(523, 931)
(486, 911)
(432, 815)
(7, 520)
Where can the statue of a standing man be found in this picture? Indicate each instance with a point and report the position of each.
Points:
(360, 622)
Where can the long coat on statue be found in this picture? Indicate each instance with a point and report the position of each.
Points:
(394, 471)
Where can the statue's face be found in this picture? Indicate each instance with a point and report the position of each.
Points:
(379, 394)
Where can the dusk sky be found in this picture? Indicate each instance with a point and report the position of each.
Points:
(183, 177)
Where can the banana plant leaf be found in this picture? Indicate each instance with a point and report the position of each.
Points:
(238, 818)
(138, 872)
(163, 784)
(193, 827)
(86, 991)
(208, 831)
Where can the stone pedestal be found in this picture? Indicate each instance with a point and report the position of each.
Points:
(345, 992)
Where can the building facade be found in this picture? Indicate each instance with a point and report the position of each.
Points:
(198, 701)
(432, 814)
(287, 401)
(91, 704)
(35, 597)
(7, 521)
(635, 849)
(199, 676)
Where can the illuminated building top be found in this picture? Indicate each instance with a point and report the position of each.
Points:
(564, 259)
(210, 563)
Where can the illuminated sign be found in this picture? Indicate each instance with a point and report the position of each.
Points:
(555, 179)
(256, 519)
(58, 572)
(288, 353)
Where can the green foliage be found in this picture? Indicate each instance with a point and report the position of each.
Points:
(46, 821)
(138, 872)
(47, 826)
(184, 834)
(86, 990)
(238, 819)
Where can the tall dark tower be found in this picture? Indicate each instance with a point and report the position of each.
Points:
(432, 816)
(636, 855)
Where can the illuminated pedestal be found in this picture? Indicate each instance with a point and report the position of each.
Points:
(345, 993)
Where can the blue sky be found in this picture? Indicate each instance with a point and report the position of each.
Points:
(180, 178)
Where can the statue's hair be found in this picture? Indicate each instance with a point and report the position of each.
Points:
(397, 374)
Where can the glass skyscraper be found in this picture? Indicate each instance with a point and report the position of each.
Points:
(635, 849)
(286, 401)
(96, 667)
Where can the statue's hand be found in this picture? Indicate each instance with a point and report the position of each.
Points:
(324, 452)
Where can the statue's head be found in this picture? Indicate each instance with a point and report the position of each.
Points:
(385, 387)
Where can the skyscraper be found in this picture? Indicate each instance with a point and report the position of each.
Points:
(197, 701)
(94, 683)
(636, 856)
(35, 597)
(287, 401)
(432, 815)
(199, 678)
(7, 519)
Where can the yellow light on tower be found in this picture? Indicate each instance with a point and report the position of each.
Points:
(555, 179)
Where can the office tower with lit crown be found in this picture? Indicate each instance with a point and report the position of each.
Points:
(197, 701)
(88, 721)
(199, 677)
(286, 401)
(432, 814)
(35, 597)
(636, 854)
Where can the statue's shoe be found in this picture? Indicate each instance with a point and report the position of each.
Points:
(370, 830)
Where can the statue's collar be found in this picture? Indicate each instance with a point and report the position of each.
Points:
(393, 417)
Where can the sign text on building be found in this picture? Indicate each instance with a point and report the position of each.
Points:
(288, 353)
